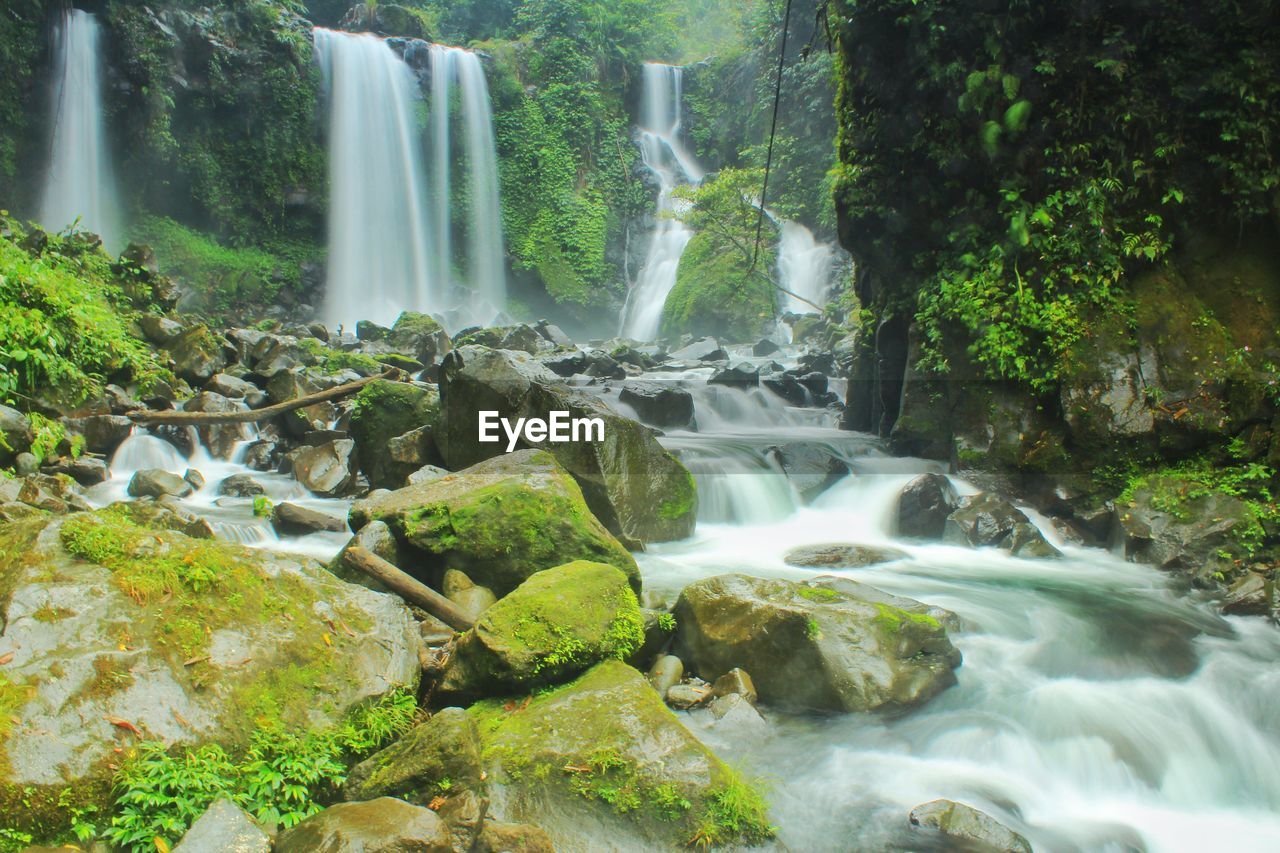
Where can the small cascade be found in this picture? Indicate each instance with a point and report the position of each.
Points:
(666, 157)
(140, 451)
(80, 185)
(805, 267)
(379, 230)
(483, 299)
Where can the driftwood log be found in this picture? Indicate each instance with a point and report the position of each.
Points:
(410, 589)
(147, 416)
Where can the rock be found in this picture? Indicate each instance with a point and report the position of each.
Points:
(653, 763)
(1189, 537)
(87, 470)
(518, 338)
(420, 336)
(630, 482)
(471, 599)
(924, 505)
(666, 673)
(224, 828)
(566, 364)
(787, 387)
(16, 430)
(966, 828)
(367, 330)
(552, 627)
(1028, 542)
(153, 482)
(986, 520)
(688, 694)
(659, 404)
(26, 464)
(444, 749)
(814, 382)
(810, 467)
(40, 491)
(735, 711)
(377, 538)
(840, 556)
(706, 349)
(499, 521)
(197, 355)
(231, 386)
(325, 470)
(513, 838)
(1251, 595)
(553, 333)
(241, 486)
(742, 375)
(426, 474)
(735, 681)
(220, 439)
(386, 410)
(603, 366)
(384, 825)
(161, 331)
(289, 519)
(764, 347)
(234, 639)
(102, 433)
(831, 645)
(194, 479)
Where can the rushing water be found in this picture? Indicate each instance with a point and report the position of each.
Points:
(80, 184)
(664, 154)
(805, 267)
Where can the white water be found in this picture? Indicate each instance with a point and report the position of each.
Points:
(664, 155)
(483, 298)
(378, 224)
(80, 185)
(805, 268)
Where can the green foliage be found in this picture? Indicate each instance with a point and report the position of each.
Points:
(282, 777)
(667, 622)
(735, 811)
(65, 320)
(262, 506)
(20, 47)
(1007, 179)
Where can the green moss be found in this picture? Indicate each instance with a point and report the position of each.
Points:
(715, 294)
(47, 614)
(891, 619)
(381, 411)
(48, 813)
(12, 697)
(332, 361)
(820, 594)
(680, 504)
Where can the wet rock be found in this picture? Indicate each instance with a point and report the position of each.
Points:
(197, 355)
(384, 825)
(231, 387)
(706, 349)
(666, 673)
(735, 711)
(194, 478)
(787, 387)
(603, 366)
(161, 331)
(499, 521)
(420, 336)
(688, 694)
(471, 599)
(513, 838)
(1251, 595)
(102, 433)
(814, 382)
(986, 520)
(220, 439)
(445, 748)
(1188, 538)
(154, 482)
(829, 645)
(26, 464)
(739, 376)
(377, 538)
(367, 330)
(566, 364)
(735, 681)
(553, 333)
(87, 470)
(426, 474)
(924, 505)
(630, 482)
(659, 404)
(120, 400)
(764, 347)
(1027, 541)
(262, 456)
(810, 467)
(17, 432)
(241, 486)
(967, 828)
(839, 555)
(386, 410)
(224, 828)
(518, 338)
(325, 470)
(522, 642)
(292, 520)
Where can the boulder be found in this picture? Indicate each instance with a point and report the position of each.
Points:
(764, 347)
(112, 627)
(665, 673)
(810, 467)
(688, 694)
(26, 464)
(386, 410)
(197, 355)
(831, 645)
(499, 522)
(602, 757)
(224, 828)
(787, 387)
(241, 486)
(659, 404)
(470, 598)
(426, 474)
(86, 470)
(102, 433)
(289, 519)
(553, 333)
(839, 555)
(986, 520)
(377, 538)
(325, 470)
(234, 388)
(924, 505)
(420, 336)
(430, 758)
(41, 491)
(1195, 536)
(161, 331)
(631, 483)
(553, 626)
(566, 364)
(220, 439)
(154, 482)
(704, 349)
(384, 825)
(15, 429)
(742, 375)
(367, 330)
(965, 828)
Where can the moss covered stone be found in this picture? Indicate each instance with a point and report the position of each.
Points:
(550, 628)
(499, 522)
(384, 410)
(716, 293)
(430, 760)
(604, 755)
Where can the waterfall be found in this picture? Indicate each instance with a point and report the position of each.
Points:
(80, 184)
(664, 155)
(805, 268)
(378, 221)
(484, 299)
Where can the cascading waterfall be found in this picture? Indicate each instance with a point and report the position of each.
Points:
(80, 184)
(805, 268)
(379, 230)
(663, 153)
(484, 299)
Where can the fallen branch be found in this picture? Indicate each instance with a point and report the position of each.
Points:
(410, 589)
(147, 416)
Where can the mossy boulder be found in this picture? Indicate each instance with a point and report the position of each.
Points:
(385, 410)
(197, 355)
(825, 645)
(1177, 525)
(120, 631)
(550, 628)
(603, 757)
(384, 825)
(638, 489)
(717, 294)
(428, 761)
(420, 336)
(499, 522)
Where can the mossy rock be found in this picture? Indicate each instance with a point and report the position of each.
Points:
(384, 410)
(715, 293)
(603, 757)
(432, 759)
(550, 628)
(120, 630)
(824, 645)
(420, 336)
(498, 522)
